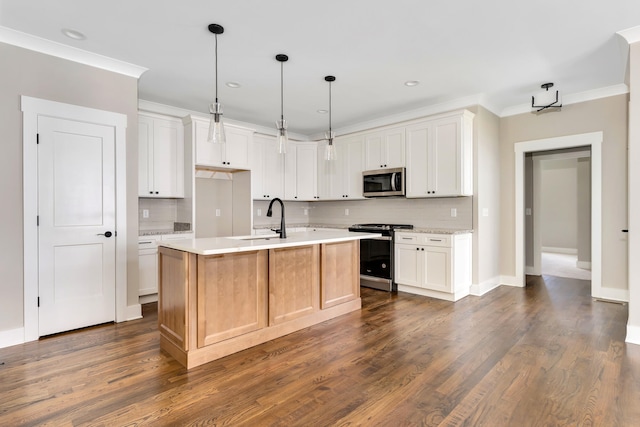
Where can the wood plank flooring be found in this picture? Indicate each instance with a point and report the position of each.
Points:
(545, 355)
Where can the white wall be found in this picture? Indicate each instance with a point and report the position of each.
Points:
(559, 205)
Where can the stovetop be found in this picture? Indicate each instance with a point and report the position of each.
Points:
(379, 227)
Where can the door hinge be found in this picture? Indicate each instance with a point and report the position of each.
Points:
(38, 301)
(38, 220)
(37, 138)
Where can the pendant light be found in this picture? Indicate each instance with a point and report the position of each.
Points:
(330, 151)
(281, 124)
(216, 128)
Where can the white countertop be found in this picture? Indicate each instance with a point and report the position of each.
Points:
(224, 245)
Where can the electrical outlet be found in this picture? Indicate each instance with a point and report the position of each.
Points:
(527, 211)
(485, 211)
(259, 212)
(346, 212)
(217, 212)
(454, 212)
(145, 213)
(306, 211)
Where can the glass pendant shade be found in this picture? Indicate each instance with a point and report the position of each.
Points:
(216, 127)
(330, 150)
(282, 138)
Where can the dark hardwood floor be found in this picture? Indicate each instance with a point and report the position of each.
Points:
(545, 355)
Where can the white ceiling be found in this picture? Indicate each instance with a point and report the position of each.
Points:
(499, 51)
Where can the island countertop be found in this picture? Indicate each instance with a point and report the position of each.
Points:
(225, 245)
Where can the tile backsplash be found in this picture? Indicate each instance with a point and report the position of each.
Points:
(163, 214)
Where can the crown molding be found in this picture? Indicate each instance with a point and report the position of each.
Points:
(169, 110)
(573, 98)
(48, 47)
(631, 35)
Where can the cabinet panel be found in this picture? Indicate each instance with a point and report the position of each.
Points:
(301, 172)
(447, 175)
(147, 272)
(267, 169)
(408, 265)
(236, 149)
(340, 273)
(293, 283)
(233, 154)
(160, 157)
(417, 159)
(374, 150)
(385, 149)
(232, 295)
(437, 268)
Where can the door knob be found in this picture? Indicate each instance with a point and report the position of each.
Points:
(106, 234)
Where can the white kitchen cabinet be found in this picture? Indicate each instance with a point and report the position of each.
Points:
(148, 261)
(385, 149)
(439, 157)
(160, 156)
(341, 178)
(435, 265)
(233, 154)
(301, 172)
(267, 169)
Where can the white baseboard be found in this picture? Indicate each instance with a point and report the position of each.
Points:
(484, 287)
(585, 265)
(511, 281)
(145, 299)
(133, 312)
(633, 334)
(11, 337)
(434, 294)
(530, 270)
(613, 294)
(554, 250)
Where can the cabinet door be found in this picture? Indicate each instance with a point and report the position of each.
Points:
(393, 147)
(374, 150)
(168, 158)
(418, 138)
(236, 149)
(328, 173)
(273, 170)
(339, 273)
(446, 163)
(408, 265)
(353, 165)
(145, 153)
(290, 173)
(207, 153)
(147, 272)
(304, 172)
(437, 268)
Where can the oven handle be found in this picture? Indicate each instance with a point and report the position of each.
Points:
(380, 238)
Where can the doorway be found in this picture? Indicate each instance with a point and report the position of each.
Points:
(594, 142)
(558, 213)
(86, 130)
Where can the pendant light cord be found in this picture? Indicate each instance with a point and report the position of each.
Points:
(216, 52)
(282, 90)
(329, 108)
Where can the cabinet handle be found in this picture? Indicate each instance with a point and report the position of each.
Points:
(407, 238)
(150, 192)
(144, 243)
(435, 240)
(422, 249)
(156, 192)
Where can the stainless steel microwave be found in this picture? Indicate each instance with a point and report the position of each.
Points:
(383, 182)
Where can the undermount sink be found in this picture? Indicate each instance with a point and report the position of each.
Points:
(263, 237)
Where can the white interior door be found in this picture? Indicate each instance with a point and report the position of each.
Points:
(76, 234)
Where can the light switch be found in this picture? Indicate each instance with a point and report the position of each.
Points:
(485, 211)
(346, 212)
(217, 212)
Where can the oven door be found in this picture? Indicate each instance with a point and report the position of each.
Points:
(376, 269)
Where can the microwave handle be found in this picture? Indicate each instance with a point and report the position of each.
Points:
(393, 181)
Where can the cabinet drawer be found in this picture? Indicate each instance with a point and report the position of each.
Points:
(147, 243)
(443, 240)
(406, 238)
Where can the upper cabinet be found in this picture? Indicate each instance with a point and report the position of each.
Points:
(233, 154)
(160, 156)
(301, 171)
(341, 179)
(385, 149)
(267, 169)
(439, 157)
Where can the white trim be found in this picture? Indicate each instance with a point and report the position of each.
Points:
(593, 139)
(631, 35)
(146, 299)
(511, 281)
(530, 270)
(484, 287)
(11, 337)
(31, 109)
(573, 98)
(554, 250)
(133, 312)
(537, 226)
(633, 335)
(48, 47)
(613, 294)
(169, 110)
(584, 265)
(453, 297)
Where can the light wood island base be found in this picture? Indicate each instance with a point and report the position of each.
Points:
(211, 306)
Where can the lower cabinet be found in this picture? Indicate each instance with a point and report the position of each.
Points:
(148, 262)
(435, 265)
(211, 306)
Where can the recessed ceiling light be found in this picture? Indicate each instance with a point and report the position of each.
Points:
(411, 83)
(234, 85)
(323, 111)
(73, 34)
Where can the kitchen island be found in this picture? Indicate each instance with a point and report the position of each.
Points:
(218, 296)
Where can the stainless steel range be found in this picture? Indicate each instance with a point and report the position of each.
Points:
(376, 255)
